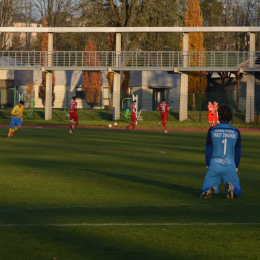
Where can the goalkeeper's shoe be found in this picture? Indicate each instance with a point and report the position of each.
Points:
(70, 131)
(207, 194)
(72, 127)
(230, 190)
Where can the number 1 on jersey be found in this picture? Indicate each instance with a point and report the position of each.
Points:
(225, 146)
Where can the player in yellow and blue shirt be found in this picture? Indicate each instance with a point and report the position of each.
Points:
(223, 153)
(16, 115)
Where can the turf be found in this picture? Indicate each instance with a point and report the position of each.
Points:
(61, 193)
(93, 117)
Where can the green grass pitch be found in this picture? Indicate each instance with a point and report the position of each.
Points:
(114, 194)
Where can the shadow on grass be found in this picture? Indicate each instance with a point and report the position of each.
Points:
(240, 116)
(40, 113)
(175, 115)
(58, 116)
(187, 190)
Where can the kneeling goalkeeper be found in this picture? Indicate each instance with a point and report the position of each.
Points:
(16, 115)
(223, 153)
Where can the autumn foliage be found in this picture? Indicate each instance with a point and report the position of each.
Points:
(44, 63)
(125, 84)
(91, 79)
(197, 79)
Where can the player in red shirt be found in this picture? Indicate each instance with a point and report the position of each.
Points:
(74, 120)
(216, 120)
(133, 116)
(210, 113)
(164, 108)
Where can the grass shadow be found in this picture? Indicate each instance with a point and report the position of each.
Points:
(174, 114)
(174, 187)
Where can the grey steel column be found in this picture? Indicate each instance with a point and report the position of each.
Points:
(117, 80)
(184, 80)
(250, 88)
(48, 91)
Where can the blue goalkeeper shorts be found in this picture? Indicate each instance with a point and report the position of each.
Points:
(15, 122)
(216, 173)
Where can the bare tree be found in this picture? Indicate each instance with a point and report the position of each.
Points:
(7, 10)
(56, 12)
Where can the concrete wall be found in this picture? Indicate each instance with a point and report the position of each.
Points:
(142, 83)
(6, 75)
(65, 81)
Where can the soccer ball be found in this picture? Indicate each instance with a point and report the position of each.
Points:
(115, 123)
(109, 125)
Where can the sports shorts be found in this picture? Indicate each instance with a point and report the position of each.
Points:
(217, 172)
(15, 122)
(74, 117)
(133, 117)
(164, 117)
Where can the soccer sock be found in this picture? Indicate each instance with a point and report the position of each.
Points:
(71, 126)
(164, 125)
(76, 123)
(130, 125)
(15, 129)
(10, 131)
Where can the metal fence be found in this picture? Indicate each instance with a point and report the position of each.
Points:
(196, 104)
(136, 60)
(237, 101)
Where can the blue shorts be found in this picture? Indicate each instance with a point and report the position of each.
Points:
(15, 122)
(217, 172)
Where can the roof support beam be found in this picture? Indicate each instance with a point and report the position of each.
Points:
(117, 80)
(184, 79)
(128, 29)
(48, 89)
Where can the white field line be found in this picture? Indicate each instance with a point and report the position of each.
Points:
(124, 206)
(125, 224)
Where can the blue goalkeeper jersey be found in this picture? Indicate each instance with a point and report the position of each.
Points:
(224, 145)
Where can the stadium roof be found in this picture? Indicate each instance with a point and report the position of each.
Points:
(128, 29)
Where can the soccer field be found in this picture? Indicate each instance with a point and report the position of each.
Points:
(116, 194)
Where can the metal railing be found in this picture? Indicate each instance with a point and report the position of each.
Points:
(125, 60)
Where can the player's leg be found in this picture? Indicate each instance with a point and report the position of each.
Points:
(232, 183)
(164, 126)
(131, 124)
(18, 124)
(71, 124)
(164, 121)
(76, 121)
(12, 126)
(211, 183)
(134, 123)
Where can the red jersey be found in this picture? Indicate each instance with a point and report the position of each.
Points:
(73, 107)
(216, 113)
(215, 109)
(163, 107)
(210, 112)
(132, 109)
